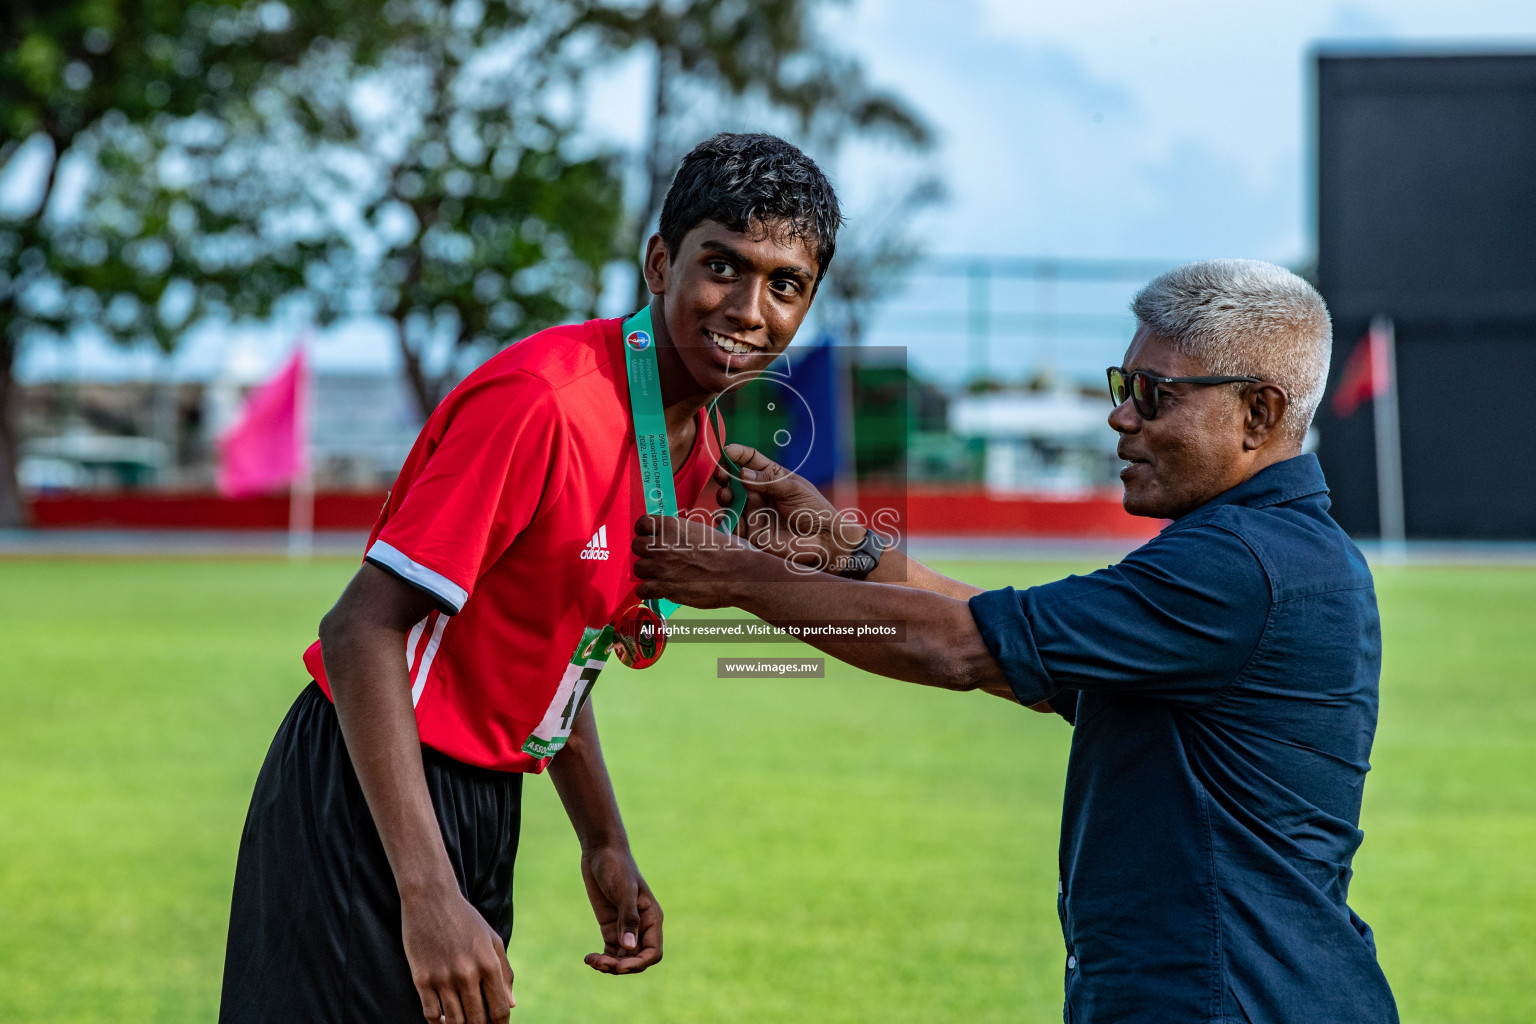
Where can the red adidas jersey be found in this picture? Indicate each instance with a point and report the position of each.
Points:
(515, 510)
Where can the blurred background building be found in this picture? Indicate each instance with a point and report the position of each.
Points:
(1427, 216)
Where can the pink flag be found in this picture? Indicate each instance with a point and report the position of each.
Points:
(268, 445)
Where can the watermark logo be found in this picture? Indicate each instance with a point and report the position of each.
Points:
(770, 668)
(810, 540)
(779, 391)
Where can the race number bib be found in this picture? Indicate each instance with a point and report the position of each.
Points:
(575, 686)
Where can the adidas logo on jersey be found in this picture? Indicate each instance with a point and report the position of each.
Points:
(597, 547)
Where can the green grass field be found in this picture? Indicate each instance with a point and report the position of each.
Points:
(829, 850)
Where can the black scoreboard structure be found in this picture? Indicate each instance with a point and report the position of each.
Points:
(1426, 207)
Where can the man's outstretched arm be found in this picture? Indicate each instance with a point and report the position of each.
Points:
(627, 912)
(687, 562)
(458, 963)
(786, 516)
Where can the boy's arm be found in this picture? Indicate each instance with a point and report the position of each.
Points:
(627, 912)
(458, 963)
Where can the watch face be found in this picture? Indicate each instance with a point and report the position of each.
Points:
(861, 561)
(639, 636)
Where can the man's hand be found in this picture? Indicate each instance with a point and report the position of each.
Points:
(691, 562)
(785, 515)
(458, 964)
(627, 913)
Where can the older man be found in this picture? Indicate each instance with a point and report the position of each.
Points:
(1222, 679)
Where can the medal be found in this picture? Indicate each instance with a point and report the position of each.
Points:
(639, 636)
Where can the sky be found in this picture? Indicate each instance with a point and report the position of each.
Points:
(1166, 131)
(1163, 131)
(1119, 128)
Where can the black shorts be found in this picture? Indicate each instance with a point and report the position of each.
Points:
(314, 925)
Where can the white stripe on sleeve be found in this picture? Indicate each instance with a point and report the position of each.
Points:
(439, 586)
(412, 640)
(426, 660)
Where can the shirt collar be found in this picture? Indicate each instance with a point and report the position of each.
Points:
(1297, 477)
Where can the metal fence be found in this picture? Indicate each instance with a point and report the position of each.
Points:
(1012, 319)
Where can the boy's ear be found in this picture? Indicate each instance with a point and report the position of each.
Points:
(658, 265)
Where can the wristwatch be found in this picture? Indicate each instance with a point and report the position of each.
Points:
(861, 561)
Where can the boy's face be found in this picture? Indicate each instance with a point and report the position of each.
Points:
(732, 301)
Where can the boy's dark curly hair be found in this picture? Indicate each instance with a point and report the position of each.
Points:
(752, 181)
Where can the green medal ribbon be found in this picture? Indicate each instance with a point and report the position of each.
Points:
(651, 443)
(552, 732)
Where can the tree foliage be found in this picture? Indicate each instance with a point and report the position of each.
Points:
(395, 157)
(434, 184)
(109, 86)
(764, 52)
(410, 159)
(476, 218)
(94, 85)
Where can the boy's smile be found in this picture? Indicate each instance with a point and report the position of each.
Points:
(727, 303)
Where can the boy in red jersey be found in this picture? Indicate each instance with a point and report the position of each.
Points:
(375, 868)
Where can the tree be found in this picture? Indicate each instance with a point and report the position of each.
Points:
(766, 51)
(93, 82)
(406, 158)
(436, 186)
(477, 219)
(402, 157)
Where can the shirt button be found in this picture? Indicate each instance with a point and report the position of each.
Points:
(1071, 963)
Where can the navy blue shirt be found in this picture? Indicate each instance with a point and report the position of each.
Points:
(1222, 685)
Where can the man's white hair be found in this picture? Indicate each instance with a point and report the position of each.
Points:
(1246, 318)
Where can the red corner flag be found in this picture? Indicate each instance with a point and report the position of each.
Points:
(267, 446)
(1365, 374)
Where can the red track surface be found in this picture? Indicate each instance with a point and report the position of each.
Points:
(923, 510)
(129, 510)
(975, 512)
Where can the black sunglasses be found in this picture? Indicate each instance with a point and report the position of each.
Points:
(1141, 387)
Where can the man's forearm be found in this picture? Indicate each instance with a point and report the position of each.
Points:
(898, 568)
(456, 960)
(942, 646)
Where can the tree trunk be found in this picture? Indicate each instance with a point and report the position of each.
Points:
(415, 376)
(12, 512)
(658, 166)
(410, 359)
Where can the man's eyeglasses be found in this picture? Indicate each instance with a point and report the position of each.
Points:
(1141, 387)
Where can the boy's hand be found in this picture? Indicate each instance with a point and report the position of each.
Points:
(627, 912)
(458, 964)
